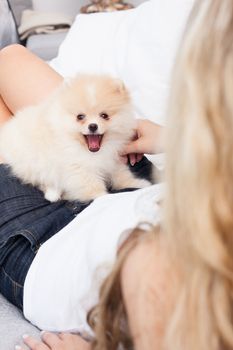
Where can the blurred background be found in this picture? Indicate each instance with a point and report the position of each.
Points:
(41, 25)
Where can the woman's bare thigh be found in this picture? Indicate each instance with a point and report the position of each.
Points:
(25, 79)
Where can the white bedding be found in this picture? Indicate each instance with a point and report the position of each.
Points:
(137, 46)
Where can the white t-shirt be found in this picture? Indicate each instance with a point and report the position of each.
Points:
(63, 281)
(137, 46)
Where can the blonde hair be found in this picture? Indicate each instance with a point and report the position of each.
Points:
(109, 318)
(198, 205)
(198, 208)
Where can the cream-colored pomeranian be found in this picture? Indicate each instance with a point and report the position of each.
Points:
(69, 145)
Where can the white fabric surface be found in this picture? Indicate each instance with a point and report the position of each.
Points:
(13, 325)
(137, 45)
(64, 279)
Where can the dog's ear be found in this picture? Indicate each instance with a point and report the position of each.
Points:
(66, 85)
(67, 82)
(120, 86)
(63, 86)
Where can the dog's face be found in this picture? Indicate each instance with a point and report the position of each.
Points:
(95, 109)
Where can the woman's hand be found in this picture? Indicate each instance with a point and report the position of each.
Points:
(51, 341)
(147, 140)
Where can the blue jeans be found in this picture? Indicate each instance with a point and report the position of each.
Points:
(27, 220)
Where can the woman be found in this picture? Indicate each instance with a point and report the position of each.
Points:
(16, 256)
(187, 283)
(27, 219)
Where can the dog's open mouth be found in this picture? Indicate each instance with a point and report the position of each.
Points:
(93, 142)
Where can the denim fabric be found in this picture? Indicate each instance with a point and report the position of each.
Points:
(27, 220)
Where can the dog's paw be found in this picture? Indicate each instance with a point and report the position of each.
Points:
(52, 195)
(140, 183)
(91, 195)
(85, 194)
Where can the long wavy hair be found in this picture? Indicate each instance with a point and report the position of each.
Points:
(198, 205)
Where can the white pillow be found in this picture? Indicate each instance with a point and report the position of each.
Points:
(137, 46)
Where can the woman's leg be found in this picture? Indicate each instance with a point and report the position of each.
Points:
(24, 80)
(5, 113)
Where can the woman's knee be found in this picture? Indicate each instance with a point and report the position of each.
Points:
(12, 48)
(10, 58)
(11, 51)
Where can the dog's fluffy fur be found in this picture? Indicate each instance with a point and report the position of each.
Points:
(69, 145)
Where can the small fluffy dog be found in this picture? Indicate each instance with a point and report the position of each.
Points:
(69, 145)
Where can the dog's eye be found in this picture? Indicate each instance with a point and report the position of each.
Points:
(81, 116)
(104, 116)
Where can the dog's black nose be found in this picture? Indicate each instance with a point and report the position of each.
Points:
(92, 127)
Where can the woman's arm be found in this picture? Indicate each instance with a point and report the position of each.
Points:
(148, 284)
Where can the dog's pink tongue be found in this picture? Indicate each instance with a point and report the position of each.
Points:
(93, 142)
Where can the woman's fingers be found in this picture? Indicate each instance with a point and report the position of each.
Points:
(34, 344)
(52, 341)
(139, 157)
(132, 158)
(148, 139)
(74, 342)
(133, 147)
(135, 158)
